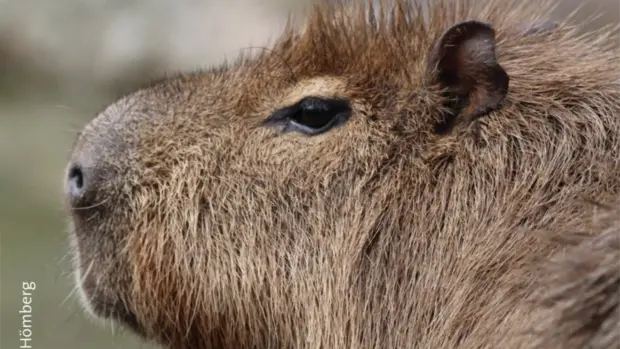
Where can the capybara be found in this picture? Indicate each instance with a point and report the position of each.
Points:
(382, 176)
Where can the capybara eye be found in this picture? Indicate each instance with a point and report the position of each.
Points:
(311, 115)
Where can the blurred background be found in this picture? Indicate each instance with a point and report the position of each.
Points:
(61, 62)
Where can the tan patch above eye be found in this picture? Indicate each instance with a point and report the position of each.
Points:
(328, 87)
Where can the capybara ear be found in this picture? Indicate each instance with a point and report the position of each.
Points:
(464, 64)
(541, 26)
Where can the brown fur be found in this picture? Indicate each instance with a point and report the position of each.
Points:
(205, 229)
(581, 290)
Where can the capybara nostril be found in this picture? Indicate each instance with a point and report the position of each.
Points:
(76, 182)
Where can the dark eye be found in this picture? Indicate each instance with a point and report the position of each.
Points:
(311, 115)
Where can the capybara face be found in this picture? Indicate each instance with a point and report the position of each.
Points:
(369, 181)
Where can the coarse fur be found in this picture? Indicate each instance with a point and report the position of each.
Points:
(580, 287)
(202, 228)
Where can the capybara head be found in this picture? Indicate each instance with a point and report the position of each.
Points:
(387, 176)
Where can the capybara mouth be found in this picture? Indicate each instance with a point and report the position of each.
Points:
(96, 296)
(103, 305)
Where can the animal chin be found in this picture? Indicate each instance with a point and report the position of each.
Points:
(100, 305)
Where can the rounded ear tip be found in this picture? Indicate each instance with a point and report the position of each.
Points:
(474, 25)
(465, 31)
(459, 35)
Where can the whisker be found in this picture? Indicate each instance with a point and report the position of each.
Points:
(91, 206)
(77, 284)
(63, 106)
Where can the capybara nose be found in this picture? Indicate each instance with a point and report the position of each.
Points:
(77, 182)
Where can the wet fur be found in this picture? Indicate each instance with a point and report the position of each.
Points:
(218, 233)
